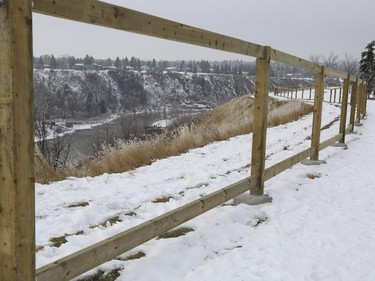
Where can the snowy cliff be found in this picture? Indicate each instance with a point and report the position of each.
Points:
(73, 93)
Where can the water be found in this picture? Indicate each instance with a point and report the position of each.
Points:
(85, 143)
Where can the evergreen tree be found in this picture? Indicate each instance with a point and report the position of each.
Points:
(182, 66)
(240, 69)
(216, 68)
(108, 62)
(39, 63)
(53, 63)
(88, 60)
(205, 66)
(133, 62)
(367, 66)
(118, 62)
(139, 65)
(71, 61)
(126, 62)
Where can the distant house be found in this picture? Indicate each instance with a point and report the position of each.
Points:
(79, 66)
(170, 68)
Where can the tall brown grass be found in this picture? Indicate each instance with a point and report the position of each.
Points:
(232, 119)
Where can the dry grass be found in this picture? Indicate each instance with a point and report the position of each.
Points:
(313, 176)
(176, 233)
(222, 123)
(58, 241)
(136, 256)
(101, 276)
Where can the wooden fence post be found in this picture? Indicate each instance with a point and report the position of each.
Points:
(334, 99)
(318, 106)
(353, 101)
(359, 101)
(330, 95)
(258, 156)
(310, 93)
(302, 92)
(365, 100)
(344, 108)
(17, 200)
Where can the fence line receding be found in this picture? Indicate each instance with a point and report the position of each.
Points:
(17, 210)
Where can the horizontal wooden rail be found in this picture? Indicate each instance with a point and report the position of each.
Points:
(287, 163)
(116, 17)
(329, 142)
(335, 73)
(112, 16)
(282, 57)
(86, 259)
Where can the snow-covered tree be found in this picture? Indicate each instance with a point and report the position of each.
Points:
(367, 66)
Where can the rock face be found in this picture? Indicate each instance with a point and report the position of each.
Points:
(89, 93)
(72, 93)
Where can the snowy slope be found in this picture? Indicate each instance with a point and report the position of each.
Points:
(318, 227)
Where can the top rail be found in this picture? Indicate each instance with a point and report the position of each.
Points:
(117, 17)
(282, 57)
(112, 16)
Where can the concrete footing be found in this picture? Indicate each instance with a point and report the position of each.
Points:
(309, 162)
(339, 144)
(247, 198)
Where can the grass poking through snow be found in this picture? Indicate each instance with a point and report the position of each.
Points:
(232, 119)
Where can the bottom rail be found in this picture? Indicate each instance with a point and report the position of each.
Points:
(90, 257)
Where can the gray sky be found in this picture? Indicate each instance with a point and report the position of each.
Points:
(298, 27)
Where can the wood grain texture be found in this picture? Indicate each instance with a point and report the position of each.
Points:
(116, 17)
(344, 109)
(317, 116)
(17, 206)
(258, 154)
(353, 104)
(88, 258)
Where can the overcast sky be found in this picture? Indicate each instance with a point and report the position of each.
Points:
(298, 27)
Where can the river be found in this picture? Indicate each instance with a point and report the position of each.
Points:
(85, 142)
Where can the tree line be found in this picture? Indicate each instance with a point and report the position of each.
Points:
(363, 67)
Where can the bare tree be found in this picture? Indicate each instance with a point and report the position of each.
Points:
(349, 64)
(104, 139)
(130, 127)
(317, 59)
(54, 148)
(58, 150)
(331, 60)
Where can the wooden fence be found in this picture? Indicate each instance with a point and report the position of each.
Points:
(17, 203)
(332, 94)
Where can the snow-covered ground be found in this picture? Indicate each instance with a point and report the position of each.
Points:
(318, 227)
